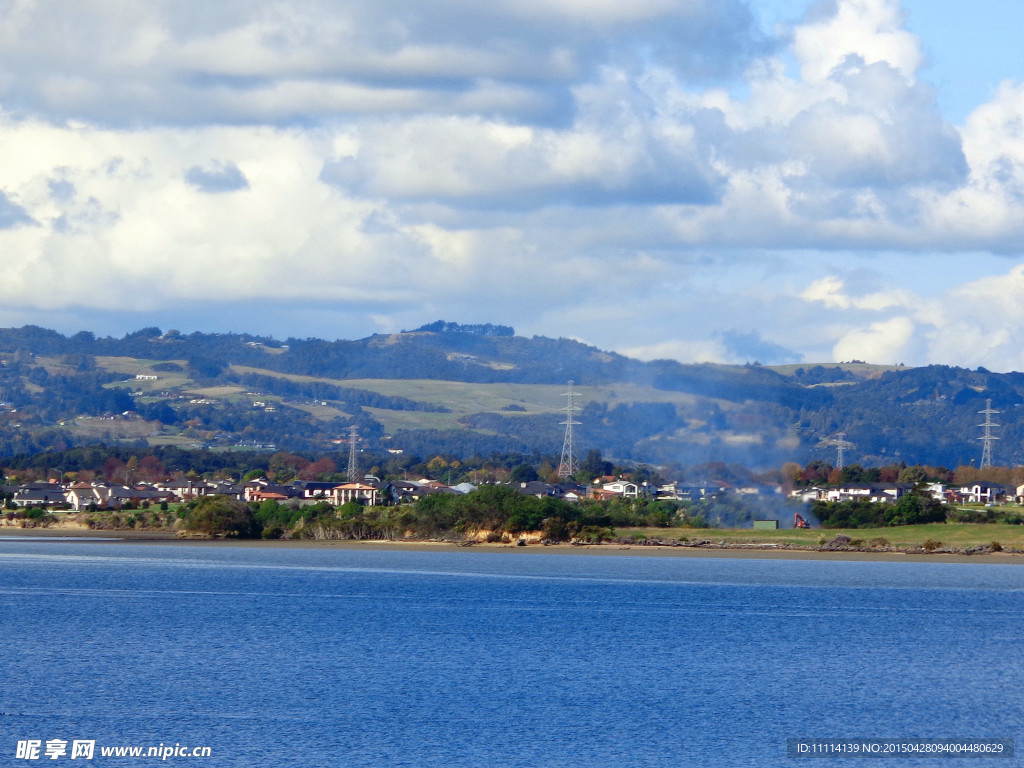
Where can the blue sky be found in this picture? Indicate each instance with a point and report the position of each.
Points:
(706, 180)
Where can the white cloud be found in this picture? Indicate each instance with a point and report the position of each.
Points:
(971, 322)
(700, 351)
(831, 291)
(886, 341)
(610, 155)
(620, 172)
(980, 322)
(189, 61)
(870, 30)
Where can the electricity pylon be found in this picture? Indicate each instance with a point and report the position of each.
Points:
(568, 465)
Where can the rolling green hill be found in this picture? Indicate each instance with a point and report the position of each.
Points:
(461, 390)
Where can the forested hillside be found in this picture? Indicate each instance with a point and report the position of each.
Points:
(472, 390)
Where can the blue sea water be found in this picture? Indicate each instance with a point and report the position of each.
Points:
(334, 657)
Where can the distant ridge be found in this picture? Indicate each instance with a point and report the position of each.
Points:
(480, 329)
(454, 390)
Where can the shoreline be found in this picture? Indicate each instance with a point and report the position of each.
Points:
(736, 551)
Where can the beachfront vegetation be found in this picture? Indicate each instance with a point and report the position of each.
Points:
(914, 508)
(495, 509)
(498, 510)
(221, 516)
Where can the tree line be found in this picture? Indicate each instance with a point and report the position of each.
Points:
(497, 510)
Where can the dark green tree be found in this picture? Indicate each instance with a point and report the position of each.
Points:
(594, 465)
(522, 473)
(222, 516)
(914, 474)
(915, 508)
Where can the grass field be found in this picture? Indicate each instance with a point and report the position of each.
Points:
(467, 397)
(215, 393)
(111, 429)
(318, 412)
(958, 535)
(395, 421)
(131, 366)
(460, 398)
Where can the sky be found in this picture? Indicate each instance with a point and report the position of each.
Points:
(780, 181)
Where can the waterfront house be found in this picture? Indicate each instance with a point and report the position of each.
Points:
(981, 493)
(364, 493)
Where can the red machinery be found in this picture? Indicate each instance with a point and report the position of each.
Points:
(799, 522)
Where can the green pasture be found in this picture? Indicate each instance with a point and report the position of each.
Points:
(961, 535)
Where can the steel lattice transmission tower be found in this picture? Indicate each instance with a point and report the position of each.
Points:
(353, 466)
(841, 444)
(568, 465)
(987, 437)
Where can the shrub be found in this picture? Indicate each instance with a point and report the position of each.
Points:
(555, 529)
(931, 545)
(327, 528)
(879, 541)
(914, 508)
(995, 546)
(222, 516)
(593, 534)
(273, 532)
(659, 519)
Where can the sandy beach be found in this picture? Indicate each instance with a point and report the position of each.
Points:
(744, 551)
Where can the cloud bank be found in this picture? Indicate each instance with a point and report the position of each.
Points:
(663, 178)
